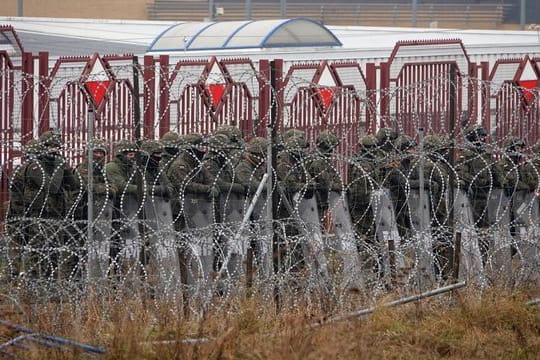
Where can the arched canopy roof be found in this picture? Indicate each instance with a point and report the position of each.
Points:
(243, 35)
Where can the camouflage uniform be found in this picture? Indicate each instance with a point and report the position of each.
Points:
(103, 191)
(401, 179)
(322, 170)
(251, 169)
(236, 142)
(385, 155)
(156, 182)
(518, 175)
(171, 144)
(361, 186)
(478, 172)
(43, 191)
(123, 174)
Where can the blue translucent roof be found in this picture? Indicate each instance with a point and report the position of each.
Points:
(244, 34)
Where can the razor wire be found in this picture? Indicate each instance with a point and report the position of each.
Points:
(377, 212)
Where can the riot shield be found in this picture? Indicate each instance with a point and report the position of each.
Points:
(343, 229)
(391, 260)
(499, 260)
(164, 262)
(424, 271)
(313, 244)
(99, 247)
(232, 207)
(470, 258)
(130, 244)
(526, 216)
(199, 252)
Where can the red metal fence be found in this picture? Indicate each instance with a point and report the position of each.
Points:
(410, 90)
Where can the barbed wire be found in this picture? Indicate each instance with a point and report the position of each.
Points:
(356, 217)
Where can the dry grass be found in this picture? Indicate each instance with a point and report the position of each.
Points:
(463, 325)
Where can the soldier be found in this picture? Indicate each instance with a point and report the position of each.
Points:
(236, 142)
(386, 155)
(331, 201)
(45, 185)
(196, 193)
(361, 186)
(123, 173)
(322, 170)
(103, 191)
(402, 178)
(520, 183)
(171, 144)
(479, 173)
(17, 224)
(250, 172)
(299, 190)
(162, 256)
(436, 173)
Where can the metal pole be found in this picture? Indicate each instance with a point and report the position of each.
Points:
(452, 133)
(522, 14)
(283, 8)
(211, 9)
(90, 160)
(414, 13)
(20, 8)
(247, 10)
(402, 301)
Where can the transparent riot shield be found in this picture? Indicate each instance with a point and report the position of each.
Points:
(470, 259)
(130, 244)
(99, 246)
(391, 260)
(199, 252)
(344, 231)
(313, 244)
(424, 271)
(164, 262)
(527, 222)
(236, 244)
(499, 259)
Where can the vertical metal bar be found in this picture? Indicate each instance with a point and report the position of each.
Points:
(27, 89)
(283, 8)
(414, 13)
(90, 159)
(247, 10)
(20, 8)
(164, 111)
(522, 14)
(452, 134)
(44, 92)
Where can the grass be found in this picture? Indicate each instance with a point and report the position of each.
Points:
(460, 325)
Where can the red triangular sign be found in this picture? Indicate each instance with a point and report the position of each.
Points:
(528, 89)
(97, 90)
(326, 95)
(216, 92)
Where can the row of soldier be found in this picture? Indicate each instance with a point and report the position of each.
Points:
(182, 186)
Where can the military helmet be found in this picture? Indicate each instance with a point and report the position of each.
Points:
(50, 137)
(192, 140)
(368, 142)
(296, 143)
(513, 142)
(125, 146)
(151, 146)
(98, 145)
(170, 139)
(404, 142)
(475, 132)
(32, 147)
(219, 141)
(432, 142)
(292, 132)
(258, 146)
(232, 132)
(327, 139)
(385, 134)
